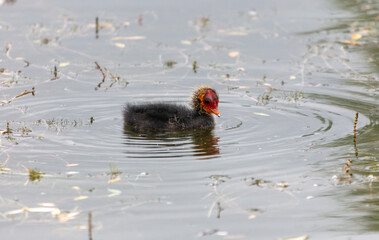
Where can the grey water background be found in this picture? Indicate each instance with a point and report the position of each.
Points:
(291, 76)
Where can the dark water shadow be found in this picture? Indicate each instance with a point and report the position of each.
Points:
(358, 33)
(201, 143)
(363, 23)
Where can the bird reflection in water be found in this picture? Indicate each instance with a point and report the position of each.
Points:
(201, 143)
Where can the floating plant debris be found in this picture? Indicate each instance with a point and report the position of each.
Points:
(90, 225)
(170, 64)
(55, 72)
(114, 171)
(97, 27)
(35, 174)
(101, 70)
(194, 66)
(17, 96)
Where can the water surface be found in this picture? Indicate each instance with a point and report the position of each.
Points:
(280, 163)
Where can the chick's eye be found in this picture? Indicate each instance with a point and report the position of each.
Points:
(206, 101)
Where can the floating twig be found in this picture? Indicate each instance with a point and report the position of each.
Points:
(219, 209)
(17, 96)
(55, 72)
(102, 72)
(97, 27)
(24, 93)
(8, 131)
(194, 66)
(90, 225)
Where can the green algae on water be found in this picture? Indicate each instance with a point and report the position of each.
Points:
(35, 174)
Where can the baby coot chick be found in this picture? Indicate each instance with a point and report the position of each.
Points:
(165, 117)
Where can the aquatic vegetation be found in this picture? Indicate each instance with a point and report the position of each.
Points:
(35, 174)
(204, 21)
(62, 123)
(226, 75)
(114, 79)
(218, 196)
(8, 130)
(218, 179)
(194, 66)
(13, 134)
(8, 78)
(355, 134)
(202, 24)
(346, 177)
(55, 72)
(256, 182)
(11, 139)
(169, 64)
(293, 96)
(97, 27)
(114, 171)
(24, 130)
(264, 98)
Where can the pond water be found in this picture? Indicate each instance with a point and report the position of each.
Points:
(281, 162)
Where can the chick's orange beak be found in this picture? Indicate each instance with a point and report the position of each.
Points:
(216, 112)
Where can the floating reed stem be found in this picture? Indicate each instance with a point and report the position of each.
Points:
(101, 70)
(97, 27)
(355, 134)
(90, 225)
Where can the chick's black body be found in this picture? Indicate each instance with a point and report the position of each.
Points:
(163, 116)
